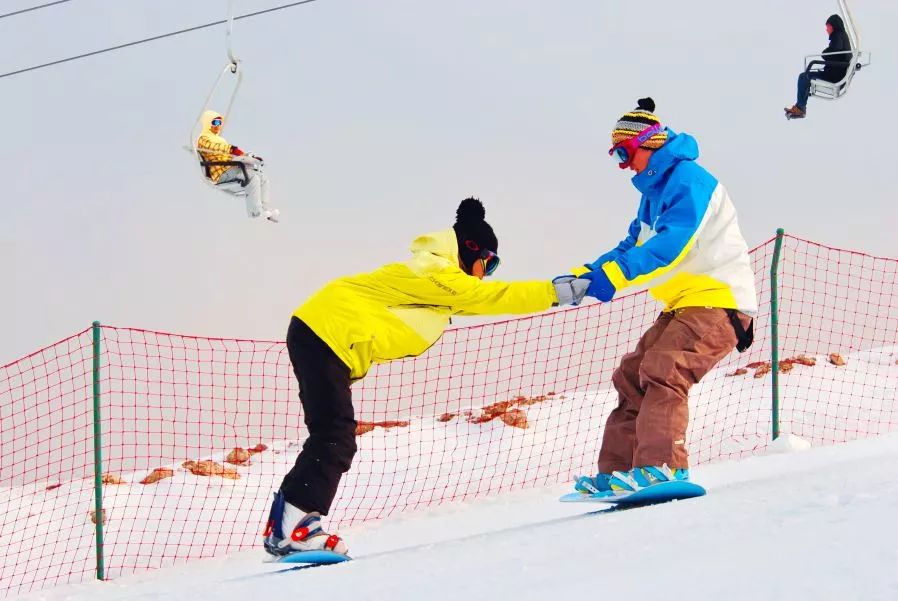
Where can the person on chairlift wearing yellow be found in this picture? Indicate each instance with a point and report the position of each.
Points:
(225, 163)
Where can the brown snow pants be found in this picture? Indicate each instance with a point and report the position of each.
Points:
(648, 427)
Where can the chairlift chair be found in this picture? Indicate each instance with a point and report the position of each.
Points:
(233, 188)
(855, 59)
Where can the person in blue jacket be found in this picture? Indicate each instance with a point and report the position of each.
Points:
(686, 245)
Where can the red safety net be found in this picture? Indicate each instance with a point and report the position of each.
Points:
(46, 467)
(840, 307)
(197, 433)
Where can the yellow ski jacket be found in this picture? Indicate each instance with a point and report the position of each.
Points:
(401, 309)
(213, 147)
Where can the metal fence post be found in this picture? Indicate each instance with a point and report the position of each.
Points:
(775, 332)
(98, 454)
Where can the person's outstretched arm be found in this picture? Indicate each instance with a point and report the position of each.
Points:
(468, 295)
(624, 245)
(676, 230)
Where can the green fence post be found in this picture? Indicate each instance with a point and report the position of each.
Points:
(98, 454)
(775, 332)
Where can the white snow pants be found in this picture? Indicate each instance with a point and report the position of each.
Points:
(256, 189)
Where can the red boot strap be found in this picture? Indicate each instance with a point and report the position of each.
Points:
(299, 534)
(332, 541)
(268, 528)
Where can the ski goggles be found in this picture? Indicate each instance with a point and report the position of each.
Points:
(216, 122)
(488, 259)
(625, 150)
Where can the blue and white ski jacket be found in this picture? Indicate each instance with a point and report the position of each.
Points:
(685, 239)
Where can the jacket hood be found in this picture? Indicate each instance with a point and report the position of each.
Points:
(679, 147)
(436, 250)
(206, 120)
(836, 22)
(442, 244)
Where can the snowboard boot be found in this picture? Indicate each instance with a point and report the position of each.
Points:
(642, 477)
(595, 486)
(602, 485)
(290, 529)
(795, 113)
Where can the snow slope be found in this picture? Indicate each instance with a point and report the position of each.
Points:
(819, 524)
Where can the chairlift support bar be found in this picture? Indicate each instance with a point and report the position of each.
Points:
(229, 68)
(851, 30)
(231, 56)
(233, 66)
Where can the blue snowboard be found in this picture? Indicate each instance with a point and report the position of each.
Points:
(650, 495)
(314, 557)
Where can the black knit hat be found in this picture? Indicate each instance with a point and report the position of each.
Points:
(836, 22)
(472, 232)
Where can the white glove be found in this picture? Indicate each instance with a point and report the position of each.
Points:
(569, 289)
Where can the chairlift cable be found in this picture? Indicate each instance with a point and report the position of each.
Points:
(28, 10)
(153, 38)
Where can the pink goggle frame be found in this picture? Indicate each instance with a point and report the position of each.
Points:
(625, 150)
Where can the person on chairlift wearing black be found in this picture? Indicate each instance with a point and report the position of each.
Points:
(834, 69)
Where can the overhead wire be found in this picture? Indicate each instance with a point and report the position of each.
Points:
(153, 38)
(28, 10)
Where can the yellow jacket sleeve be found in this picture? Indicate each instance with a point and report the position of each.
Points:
(468, 295)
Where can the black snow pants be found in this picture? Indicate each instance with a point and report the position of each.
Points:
(327, 407)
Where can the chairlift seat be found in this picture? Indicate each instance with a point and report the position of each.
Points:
(828, 90)
(235, 187)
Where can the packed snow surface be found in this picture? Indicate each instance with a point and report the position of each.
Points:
(406, 469)
(819, 524)
(426, 462)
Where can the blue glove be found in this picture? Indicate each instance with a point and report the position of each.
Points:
(596, 265)
(600, 286)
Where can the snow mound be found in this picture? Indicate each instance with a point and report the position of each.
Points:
(787, 443)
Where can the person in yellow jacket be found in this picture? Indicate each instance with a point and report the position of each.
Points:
(229, 163)
(399, 310)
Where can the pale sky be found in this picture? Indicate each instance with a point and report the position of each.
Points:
(376, 117)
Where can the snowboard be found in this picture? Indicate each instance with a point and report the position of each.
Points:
(318, 558)
(650, 495)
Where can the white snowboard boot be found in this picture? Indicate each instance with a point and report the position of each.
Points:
(292, 530)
